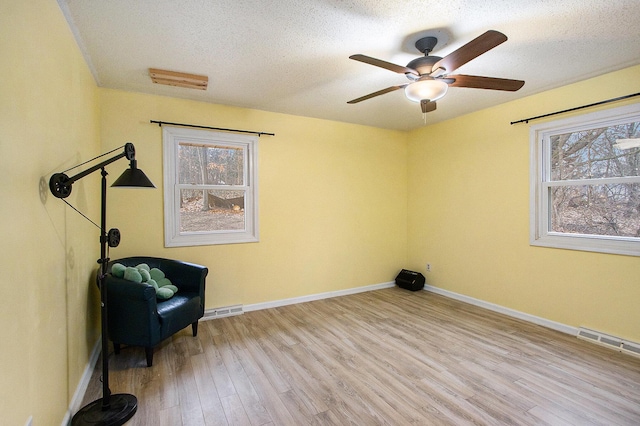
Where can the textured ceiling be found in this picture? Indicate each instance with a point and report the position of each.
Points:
(292, 56)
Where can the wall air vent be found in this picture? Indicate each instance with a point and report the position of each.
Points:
(179, 79)
(610, 342)
(227, 311)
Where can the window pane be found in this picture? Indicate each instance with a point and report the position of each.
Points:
(596, 209)
(201, 164)
(223, 211)
(591, 154)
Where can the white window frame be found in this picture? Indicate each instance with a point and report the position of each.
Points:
(172, 136)
(540, 182)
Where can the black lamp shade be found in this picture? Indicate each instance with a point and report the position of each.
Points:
(133, 177)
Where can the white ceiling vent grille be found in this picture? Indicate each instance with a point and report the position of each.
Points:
(227, 311)
(611, 342)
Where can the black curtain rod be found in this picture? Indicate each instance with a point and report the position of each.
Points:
(526, 120)
(160, 123)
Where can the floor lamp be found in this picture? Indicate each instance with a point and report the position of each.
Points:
(111, 409)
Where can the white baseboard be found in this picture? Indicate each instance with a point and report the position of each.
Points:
(81, 389)
(506, 311)
(477, 302)
(319, 296)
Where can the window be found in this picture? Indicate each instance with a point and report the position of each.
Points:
(210, 187)
(585, 182)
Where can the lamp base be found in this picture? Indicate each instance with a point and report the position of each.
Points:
(123, 407)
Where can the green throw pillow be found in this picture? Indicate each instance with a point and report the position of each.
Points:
(164, 293)
(156, 274)
(132, 274)
(143, 274)
(117, 270)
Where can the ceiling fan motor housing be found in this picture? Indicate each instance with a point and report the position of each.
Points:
(428, 84)
(423, 65)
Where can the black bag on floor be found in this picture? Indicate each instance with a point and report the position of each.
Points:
(410, 280)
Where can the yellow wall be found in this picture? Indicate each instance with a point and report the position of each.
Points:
(332, 207)
(341, 206)
(469, 217)
(332, 200)
(48, 121)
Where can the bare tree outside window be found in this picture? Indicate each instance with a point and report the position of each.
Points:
(210, 187)
(206, 166)
(599, 208)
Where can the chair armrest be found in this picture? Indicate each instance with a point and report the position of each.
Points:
(186, 276)
(132, 312)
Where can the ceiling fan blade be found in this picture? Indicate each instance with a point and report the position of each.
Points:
(378, 93)
(477, 82)
(384, 64)
(427, 106)
(469, 51)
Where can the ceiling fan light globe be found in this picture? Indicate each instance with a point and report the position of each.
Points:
(429, 89)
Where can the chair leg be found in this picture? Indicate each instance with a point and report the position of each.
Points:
(116, 348)
(148, 350)
(194, 328)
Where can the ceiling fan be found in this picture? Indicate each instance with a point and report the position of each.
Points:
(429, 74)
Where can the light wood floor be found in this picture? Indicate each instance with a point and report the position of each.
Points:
(383, 357)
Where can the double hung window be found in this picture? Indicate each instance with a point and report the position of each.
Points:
(210, 187)
(585, 182)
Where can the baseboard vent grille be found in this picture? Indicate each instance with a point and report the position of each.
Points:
(226, 311)
(611, 342)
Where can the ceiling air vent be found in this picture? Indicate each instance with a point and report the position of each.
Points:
(179, 79)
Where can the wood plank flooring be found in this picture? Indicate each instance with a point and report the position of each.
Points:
(384, 357)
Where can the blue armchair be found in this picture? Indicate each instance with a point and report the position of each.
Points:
(136, 318)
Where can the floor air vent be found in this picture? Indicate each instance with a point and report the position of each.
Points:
(611, 342)
(226, 311)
